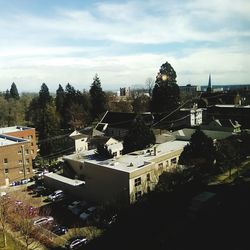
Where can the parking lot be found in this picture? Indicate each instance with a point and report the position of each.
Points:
(64, 211)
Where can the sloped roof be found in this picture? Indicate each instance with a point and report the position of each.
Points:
(123, 120)
(185, 134)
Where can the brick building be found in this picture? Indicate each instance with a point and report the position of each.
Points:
(17, 150)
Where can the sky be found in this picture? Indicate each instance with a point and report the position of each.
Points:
(124, 42)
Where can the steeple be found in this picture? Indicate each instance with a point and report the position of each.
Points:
(209, 87)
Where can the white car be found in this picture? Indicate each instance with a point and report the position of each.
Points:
(43, 221)
(57, 195)
(85, 215)
(76, 242)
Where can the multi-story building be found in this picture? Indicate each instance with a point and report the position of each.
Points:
(15, 159)
(17, 150)
(126, 177)
(23, 133)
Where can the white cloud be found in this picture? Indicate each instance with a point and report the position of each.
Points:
(56, 48)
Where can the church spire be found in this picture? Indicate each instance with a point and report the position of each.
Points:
(209, 87)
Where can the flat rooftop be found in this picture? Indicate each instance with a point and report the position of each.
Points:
(132, 161)
(64, 180)
(231, 106)
(13, 129)
(6, 140)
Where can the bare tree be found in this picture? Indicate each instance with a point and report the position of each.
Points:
(150, 85)
(4, 214)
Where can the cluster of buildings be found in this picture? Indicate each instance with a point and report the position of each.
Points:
(122, 177)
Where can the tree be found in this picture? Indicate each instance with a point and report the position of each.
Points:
(199, 152)
(5, 206)
(14, 92)
(97, 98)
(7, 95)
(60, 96)
(44, 96)
(138, 137)
(141, 104)
(149, 85)
(166, 93)
(103, 152)
(42, 112)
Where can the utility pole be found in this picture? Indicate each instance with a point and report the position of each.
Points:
(23, 159)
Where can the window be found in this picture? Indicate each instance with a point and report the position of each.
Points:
(148, 177)
(138, 195)
(20, 171)
(27, 161)
(6, 170)
(137, 181)
(31, 143)
(19, 151)
(26, 151)
(20, 161)
(5, 160)
(30, 137)
(28, 170)
(32, 151)
(173, 161)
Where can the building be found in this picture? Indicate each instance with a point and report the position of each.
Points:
(17, 150)
(126, 177)
(15, 159)
(223, 125)
(23, 133)
(117, 124)
(189, 89)
(182, 118)
(237, 113)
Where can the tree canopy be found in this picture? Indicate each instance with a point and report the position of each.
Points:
(199, 152)
(138, 137)
(166, 93)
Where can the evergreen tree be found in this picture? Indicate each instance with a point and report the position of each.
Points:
(97, 98)
(7, 95)
(138, 137)
(60, 99)
(166, 93)
(199, 152)
(60, 96)
(44, 96)
(14, 92)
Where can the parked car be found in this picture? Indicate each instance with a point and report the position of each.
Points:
(76, 207)
(43, 221)
(59, 230)
(76, 242)
(38, 189)
(25, 181)
(85, 215)
(56, 195)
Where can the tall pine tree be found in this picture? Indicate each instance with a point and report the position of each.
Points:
(14, 92)
(97, 98)
(166, 93)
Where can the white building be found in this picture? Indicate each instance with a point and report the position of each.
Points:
(125, 177)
